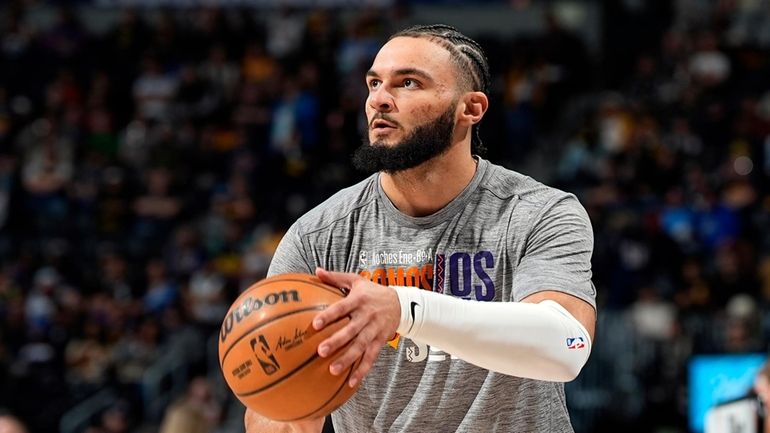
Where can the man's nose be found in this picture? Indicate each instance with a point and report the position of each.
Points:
(381, 100)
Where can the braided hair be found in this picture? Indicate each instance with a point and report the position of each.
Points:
(467, 55)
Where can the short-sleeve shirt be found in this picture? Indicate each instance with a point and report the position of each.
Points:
(503, 238)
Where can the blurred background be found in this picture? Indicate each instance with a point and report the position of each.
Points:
(152, 153)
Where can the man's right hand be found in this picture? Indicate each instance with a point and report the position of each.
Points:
(256, 423)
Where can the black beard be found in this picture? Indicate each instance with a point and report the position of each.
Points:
(424, 143)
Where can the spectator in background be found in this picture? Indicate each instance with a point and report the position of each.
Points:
(239, 199)
(184, 253)
(682, 141)
(295, 118)
(221, 72)
(47, 168)
(763, 273)
(136, 142)
(138, 348)
(182, 336)
(195, 98)
(156, 210)
(205, 297)
(359, 46)
(8, 183)
(154, 90)
(252, 114)
(37, 368)
(88, 357)
(257, 66)
(196, 412)
(678, 220)
(708, 65)
(65, 39)
(742, 326)
(162, 291)
(762, 389)
(11, 424)
(114, 419)
(562, 65)
(113, 207)
(41, 305)
(100, 118)
(113, 278)
(653, 317)
(284, 32)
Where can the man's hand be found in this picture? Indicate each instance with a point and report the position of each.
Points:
(258, 424)
(374, 313)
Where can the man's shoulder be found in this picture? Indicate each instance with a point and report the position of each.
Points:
(340, 205)
(507, 184)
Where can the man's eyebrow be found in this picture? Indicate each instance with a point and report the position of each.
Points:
(404, 71)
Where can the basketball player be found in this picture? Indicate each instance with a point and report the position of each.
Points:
(483, 273)
(762, 389)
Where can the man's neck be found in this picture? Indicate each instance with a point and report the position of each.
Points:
(427, 188)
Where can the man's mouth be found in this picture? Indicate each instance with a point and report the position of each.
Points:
(381, 124)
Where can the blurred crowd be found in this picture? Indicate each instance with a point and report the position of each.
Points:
(671, 157)
(149, 168)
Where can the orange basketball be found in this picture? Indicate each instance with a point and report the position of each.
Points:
(268, 349)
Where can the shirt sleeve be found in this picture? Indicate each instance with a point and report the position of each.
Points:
(558, 252)
(290, 256)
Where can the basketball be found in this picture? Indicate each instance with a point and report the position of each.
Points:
(268, 349)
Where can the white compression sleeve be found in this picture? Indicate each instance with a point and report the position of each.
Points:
(538, 341)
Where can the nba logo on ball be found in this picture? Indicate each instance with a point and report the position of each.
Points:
(269, 365)
(268, 349)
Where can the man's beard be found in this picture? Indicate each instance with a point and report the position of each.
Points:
(425, 142)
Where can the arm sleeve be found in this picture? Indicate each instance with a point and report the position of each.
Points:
(537, 341)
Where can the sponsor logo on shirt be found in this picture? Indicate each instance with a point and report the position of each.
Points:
(460, 274)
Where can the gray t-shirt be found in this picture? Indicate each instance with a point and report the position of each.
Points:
(502, 239)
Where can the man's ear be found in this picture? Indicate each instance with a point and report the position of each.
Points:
(474, 106)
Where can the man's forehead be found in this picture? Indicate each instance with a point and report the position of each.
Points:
(412, 52)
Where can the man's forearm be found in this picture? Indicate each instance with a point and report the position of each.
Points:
(256, 423)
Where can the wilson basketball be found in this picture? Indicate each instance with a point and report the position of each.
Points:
(268, 349)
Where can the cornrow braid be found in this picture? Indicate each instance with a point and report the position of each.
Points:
(467, 55)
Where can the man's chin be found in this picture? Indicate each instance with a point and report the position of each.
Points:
(381, 141)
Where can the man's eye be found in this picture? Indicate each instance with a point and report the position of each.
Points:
(410, 83)
(373, 84)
